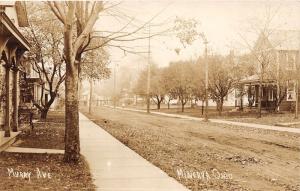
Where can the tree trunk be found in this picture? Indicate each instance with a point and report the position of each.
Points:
(44, 113)
(158, 105)
(259, 101)
(241, 102)
(91, 97)
(72, 143)
(182, 106)
(202, 107)
(169, 104)
(80, 91)
(220, 109)
(297, 99)
(136, 100)
(44, 110)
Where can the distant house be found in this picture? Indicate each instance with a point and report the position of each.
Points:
(97, 100)
(282, 47)
(13, 45)
(30, 86)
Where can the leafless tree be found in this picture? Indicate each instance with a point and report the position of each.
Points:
(224, 75)
(78, 19)
(94, 67)
(157, 89)
(46, 55)
(180, 83)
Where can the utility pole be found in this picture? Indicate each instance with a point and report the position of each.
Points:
(114, 97)
(278, 91)
(297, 69)
(206, 81)
(297, 99)
(91, 87)
(148, 75)
(91, 96)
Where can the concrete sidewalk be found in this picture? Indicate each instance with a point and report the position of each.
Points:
(116, 167)
(255, 125)
(221, 121)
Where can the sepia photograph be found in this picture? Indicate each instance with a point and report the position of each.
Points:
(150, 95)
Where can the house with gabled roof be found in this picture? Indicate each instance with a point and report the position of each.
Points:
(280, 51)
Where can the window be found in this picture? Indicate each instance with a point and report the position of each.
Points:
(291, 61)
(271, 94)
(291, 93)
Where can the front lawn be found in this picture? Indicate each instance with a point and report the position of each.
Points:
(47, 172)
(229, 114)
(47, 134)
(271, 119)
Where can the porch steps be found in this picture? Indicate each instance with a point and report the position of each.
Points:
(6, 142)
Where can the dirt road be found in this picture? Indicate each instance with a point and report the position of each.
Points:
(207, 156)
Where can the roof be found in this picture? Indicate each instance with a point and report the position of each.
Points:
(254, 79)
(285, 39)
(9, 28)
(20, 9)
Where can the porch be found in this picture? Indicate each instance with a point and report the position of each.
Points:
(13, 45)
(248, 96)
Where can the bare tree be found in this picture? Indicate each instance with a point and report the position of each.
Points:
(157, 91)
(78, 19)
(187, 32)
(166, 80)
(198, 87)
(223, 78)
(94, 67)
(181, 81)
(46, 55)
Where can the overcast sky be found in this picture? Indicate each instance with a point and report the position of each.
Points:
(221, 21)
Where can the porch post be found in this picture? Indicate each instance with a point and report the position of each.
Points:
(297, 99)
(277, 83)
(15, 124)
(241, 98)
(7, 101)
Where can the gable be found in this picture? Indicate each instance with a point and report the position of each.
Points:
(279, 40)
